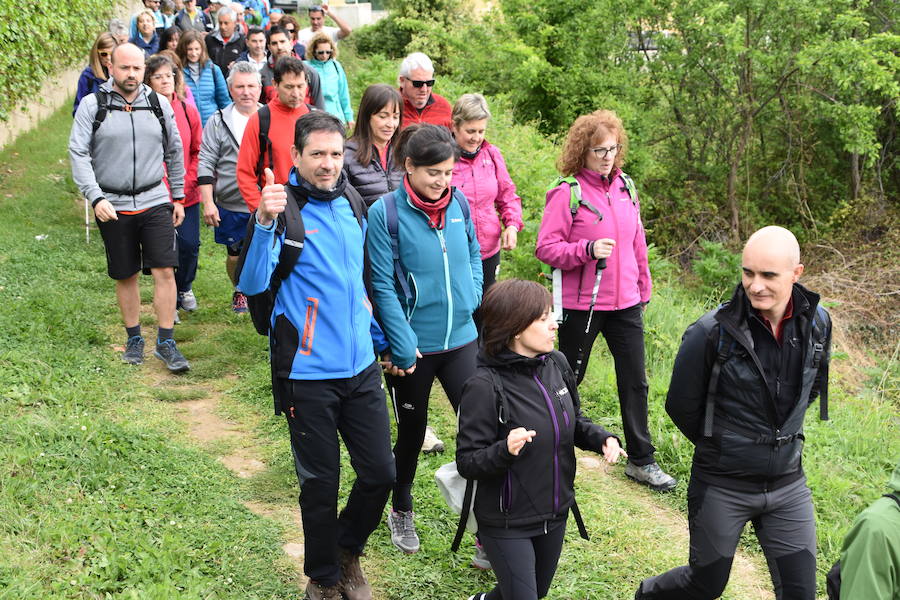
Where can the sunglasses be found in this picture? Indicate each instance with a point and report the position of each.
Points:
(104, 54)
(323, 53)
(417, 84)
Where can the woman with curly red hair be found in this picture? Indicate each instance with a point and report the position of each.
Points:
(592, 216)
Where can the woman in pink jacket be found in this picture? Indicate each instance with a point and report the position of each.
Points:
(481, 175)
(594, 214)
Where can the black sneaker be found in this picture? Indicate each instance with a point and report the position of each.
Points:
(169, 354)
(134, 350)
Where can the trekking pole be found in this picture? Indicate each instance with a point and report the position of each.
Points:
(87, 223)
(601, 264)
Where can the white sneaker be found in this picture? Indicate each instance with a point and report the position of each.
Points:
(187, 300)
(431, 444)
(480, 560)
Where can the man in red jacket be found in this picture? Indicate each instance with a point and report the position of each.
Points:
(420, 103)
(284, 109)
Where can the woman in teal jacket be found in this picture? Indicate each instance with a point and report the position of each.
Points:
(425, 298)
(323, 58)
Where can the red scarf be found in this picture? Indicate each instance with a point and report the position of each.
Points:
(436, 210)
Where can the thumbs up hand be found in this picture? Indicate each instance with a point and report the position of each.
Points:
(272, 202)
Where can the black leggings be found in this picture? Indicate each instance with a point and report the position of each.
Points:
(524, 566)
(410, 396)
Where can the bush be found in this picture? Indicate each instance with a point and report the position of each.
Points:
(39, 38)
(717, 267)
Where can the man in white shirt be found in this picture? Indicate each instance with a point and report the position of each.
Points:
(317, 23)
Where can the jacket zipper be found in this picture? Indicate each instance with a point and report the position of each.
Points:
(349, 287)
(618, 254)
(440, 235)
(134, 162)
(556, 437)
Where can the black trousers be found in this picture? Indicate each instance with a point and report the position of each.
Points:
(623, 331)
(316, 412)
(784, 524)
(410, 396)
(524, 566)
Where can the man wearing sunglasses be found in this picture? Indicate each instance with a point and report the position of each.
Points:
(317, 16)
(420, 103)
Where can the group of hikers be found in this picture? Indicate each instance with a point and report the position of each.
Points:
(373, 262)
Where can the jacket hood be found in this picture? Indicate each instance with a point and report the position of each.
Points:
(507, 359)
(738, 308)
(238, 34)
(894, 483)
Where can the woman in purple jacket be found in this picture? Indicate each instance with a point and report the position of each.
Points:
(594, 213)
(481, 175)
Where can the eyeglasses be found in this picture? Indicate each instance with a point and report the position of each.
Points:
(324, 53)
(161, 76)
(601, 152)
(417, 84)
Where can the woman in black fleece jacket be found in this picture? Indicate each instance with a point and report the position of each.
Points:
(519, 424)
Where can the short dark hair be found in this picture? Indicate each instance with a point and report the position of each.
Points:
(507, 310)
(315, 8)
(278, 29)
(289, 64)
(425, 144)
(316, 120)
(255, 30)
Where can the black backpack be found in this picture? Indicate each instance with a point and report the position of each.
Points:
(502, 416)
(290, 222)
(104, 106)
(833, 578)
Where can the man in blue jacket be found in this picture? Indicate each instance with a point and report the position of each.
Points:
(323, 339)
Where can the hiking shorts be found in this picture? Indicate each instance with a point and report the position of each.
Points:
(143, 240)
(232, 229)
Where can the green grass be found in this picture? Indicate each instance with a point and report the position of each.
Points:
(130, 507)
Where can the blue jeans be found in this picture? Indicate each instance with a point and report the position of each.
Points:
(188, 235)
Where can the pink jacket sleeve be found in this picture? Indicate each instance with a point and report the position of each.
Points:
(553, 244)
(644, 282)
(508, 203)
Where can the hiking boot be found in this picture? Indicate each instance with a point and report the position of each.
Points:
(187, 300)
(353, 581)
(167, 352)
(403, 530)
(431, 444)
(481, 560)
(134, 350)
(315, 591)
(652, 476)
(239, 303)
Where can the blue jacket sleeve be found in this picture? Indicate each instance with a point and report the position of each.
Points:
(223, 98)
(474, 256)
(262, 256)
(400, 336)
(83, 89)
(344, 93)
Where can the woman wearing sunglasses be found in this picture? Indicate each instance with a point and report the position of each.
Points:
(593, 217)
(519, 424)
(426, 282)
(322, 55)
(97, 70)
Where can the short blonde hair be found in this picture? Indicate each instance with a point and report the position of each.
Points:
(470, 107)
(583, 133)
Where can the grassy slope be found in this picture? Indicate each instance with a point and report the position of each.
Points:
(59, 373)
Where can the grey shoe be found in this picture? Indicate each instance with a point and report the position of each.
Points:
(187, 300)
(167, 352)
(353, 581)
(134, 350)
(481, 560)
(652, 476)
(431, 444)
(403, 530)
(315, 591)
